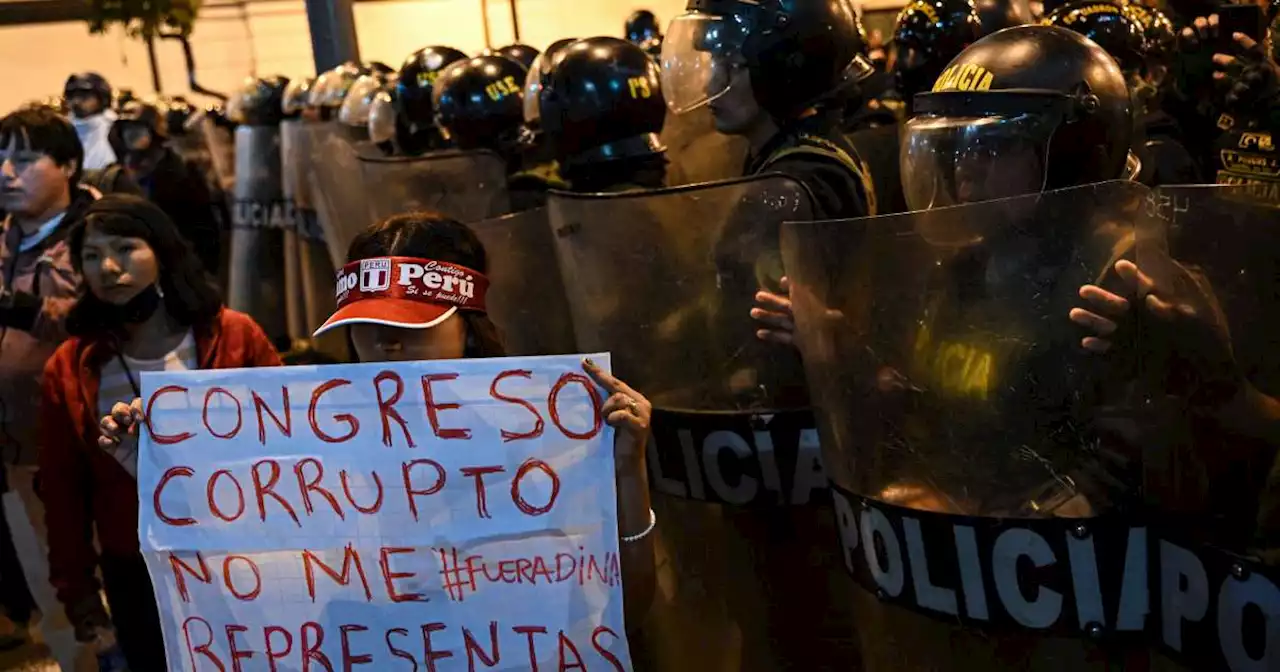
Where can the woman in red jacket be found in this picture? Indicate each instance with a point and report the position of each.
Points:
(149, 306)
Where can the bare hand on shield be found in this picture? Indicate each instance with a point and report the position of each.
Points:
(1192, 326)
(123, 421)
(773, 312)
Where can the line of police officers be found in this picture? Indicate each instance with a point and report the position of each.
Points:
(959, 299)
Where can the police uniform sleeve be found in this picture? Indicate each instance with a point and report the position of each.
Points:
(837, 193)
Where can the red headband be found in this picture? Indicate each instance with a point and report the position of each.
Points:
(405, 292)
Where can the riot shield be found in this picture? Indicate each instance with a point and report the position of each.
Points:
(308, 268)
(259, 219)
(664, 280)
(697, 153)
(336, 192)
(221, 145)
(1008, 498)
(467, 186)
(526, 299)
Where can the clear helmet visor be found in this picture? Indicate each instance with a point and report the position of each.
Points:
(698, 54)
(533, 88)
(382, 118)
(296, 95)
(359, 101)
(953, 160)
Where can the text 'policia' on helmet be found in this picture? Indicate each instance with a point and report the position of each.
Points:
(602, 102)
(926, 36)
(1109, 26)
(479, 102)
(796, 51)
(1023, 110)
(536, 79)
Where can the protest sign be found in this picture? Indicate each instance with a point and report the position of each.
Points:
(451, 515)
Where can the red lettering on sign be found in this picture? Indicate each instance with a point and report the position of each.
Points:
(272, 654)
(596, 403)
(386, 408)
(409, 490)
(389, 576)
(537, 417)
(311, 651)
(524, 506)
(178, 566)
(170, 474)
(213, 503)
(257, 578)
(602, 650)
(482, 506)
(350, 660)
(346, 489)
(353, 425)
(263, 491)
(350, 557)
(208, 396)
(474, 651)
(237, 654)
(567, 647)
(307, 487)
(529, 631)
(401, 653)
(164, 439)
(428, 651)
(202, 649)
(286, 427)
(434, 408)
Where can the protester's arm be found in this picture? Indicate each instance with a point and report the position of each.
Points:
(64, 472)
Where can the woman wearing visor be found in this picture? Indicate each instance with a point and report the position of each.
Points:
(777, 74)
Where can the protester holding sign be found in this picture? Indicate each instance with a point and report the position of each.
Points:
(149, 307)
(413, 289)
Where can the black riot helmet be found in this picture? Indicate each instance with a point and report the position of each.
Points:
(642, 26)
(1161, 43)
(797, 52)
(1108, 25)
(1023, 110)
(414, 91)
(603, 102)
(258, 101)
(139, 127)
(87, 84)
(536, 80)
(926, 36)
(176, 112)
(297, 96)
(520, 53)
(1001, 14)
(480, 102)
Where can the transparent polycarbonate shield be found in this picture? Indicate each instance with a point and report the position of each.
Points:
(260, 216)
(339, 198)
(309, 268)
(697, 152)
(996, 391)
(526, 299)
(222, 151)
(665, 280)
(466, 186)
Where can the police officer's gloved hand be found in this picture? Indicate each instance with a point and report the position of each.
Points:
(1193, 67)
(1249, 78)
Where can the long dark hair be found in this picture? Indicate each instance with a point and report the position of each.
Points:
(189, 296)
(431, 235)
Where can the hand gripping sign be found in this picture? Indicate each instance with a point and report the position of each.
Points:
(449, 515)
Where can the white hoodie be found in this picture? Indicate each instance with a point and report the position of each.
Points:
(93, 132)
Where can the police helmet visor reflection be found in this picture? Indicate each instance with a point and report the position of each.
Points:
(953, 160)
(359, 100)
(697, 53)
(533, 88)
(382, 118)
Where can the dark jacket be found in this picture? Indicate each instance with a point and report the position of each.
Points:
(82, 486)
(184, 195)
(814, 153)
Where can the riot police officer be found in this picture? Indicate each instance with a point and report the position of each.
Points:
(642, 26)
(601, 111)
(140, 136)
(776, 73)
(412, 98)
(1246, 151)
(88, 95)
(520, 53)
(331, 88)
